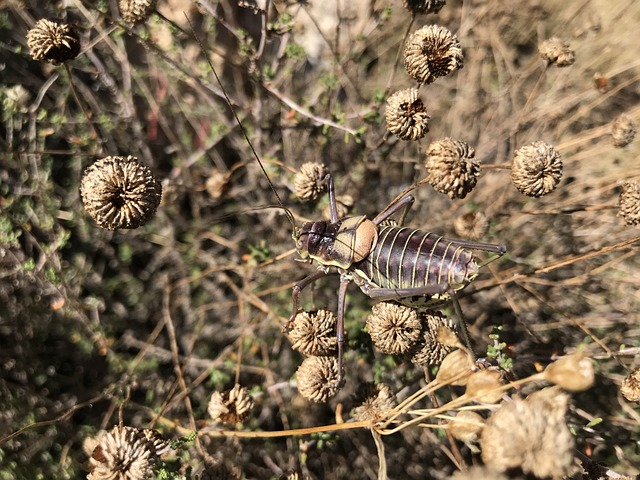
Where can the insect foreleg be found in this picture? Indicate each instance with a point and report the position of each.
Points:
(342, 293)
(403, 203)
(298, 287)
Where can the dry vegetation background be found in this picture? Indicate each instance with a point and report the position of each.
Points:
(146, 324)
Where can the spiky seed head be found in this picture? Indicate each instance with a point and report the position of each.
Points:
(484, 386)
(557, 52)
(432, 52)
(377, 401)
(573, 373)
(423, 6)
(406, 115)
(230, 407)
(310, 181)
(531, 434)
(536, 169)
(623, 131)
(53, 42)
(314, 333)
(136, 11)
(471, 225)
(429, 349)
(456, 368)
(630, 388)
(466, 426)
(629, 203)
(452, 167)
(394, 328)
(317, 378)
(120, 192)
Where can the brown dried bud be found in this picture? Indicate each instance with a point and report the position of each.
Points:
(531, 434)
(378, 401)
(536, 169)
(472, 225)
(120, 192)
(601, 82)
(452, 167)
(466, 426)
(344, 204)
(623, 131)
(406, 115)
(430, 350)
(314, 333)
(394, 328)
(631, 386)
(457, 364)
(310, 181)
(484, 386)
(431, 52)
(629, 203)
(136, 11)
(557, 52)
(423, 6)
(230, 407)
(317, 378)
(573, 373)
(53, 42)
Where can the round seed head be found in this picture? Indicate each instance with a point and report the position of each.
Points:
(317, 378)
(452, 167)
(466, 426)
(432, 52)
(536, 169)
(573, 373)
(120, 192)
(472, 225)
(629, 203)
(310, 182)
(53, 42)
(423, 6)
(406, 115)
(457, 364)
(136, 11)
(623, 131)
(483, 386)
(631, 386)
(430, 350)
(556, 52)
(230, 407)
(377, 401)
(531, 434)
(314, 333)
(394, 328)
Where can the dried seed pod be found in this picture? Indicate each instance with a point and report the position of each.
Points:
(314, 333)
(423, 6)
(136, 11)
(377, 401)
(317, 378)
(484, 386)
(531, 434)
(536, 169)
(120, 192)
(53, 42)
(557, 52)
(430, 350)
(630, 388)
(406, 115)
(452, 167)
(456, 365)
(310, 182)
(394, 328)
(629, 203)
(573, 373)
(601, 82)
(623, 131)
(432, 52)
(466, 426)
(472, 225)
(344, 204)
(230, 407)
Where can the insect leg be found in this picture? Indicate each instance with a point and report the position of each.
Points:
(461, 321)
(333, 206)
(484, 247)
(405, 202)
(342, 293)
(383, 294)
(298, 287)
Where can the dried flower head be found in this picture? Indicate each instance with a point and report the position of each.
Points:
(310, 181)
(629, 203)
(536, 169)
(484, 386)
(472, 225)
(466, 426)
(557, 52)
(623, 131)
(452, 167)
(136, 11)
(377, 401)
(631, 386)
(531, 434)
(53, 42)
(394, 328)
(429, 350)
(314, 333)
(480, 472)
(406, 115)
(432, 52)
(456, 368)
(317, 378)
(423, 6)
(573, 373)
(217, 184)
(120, 192)
(230, 407)
(126, 453)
